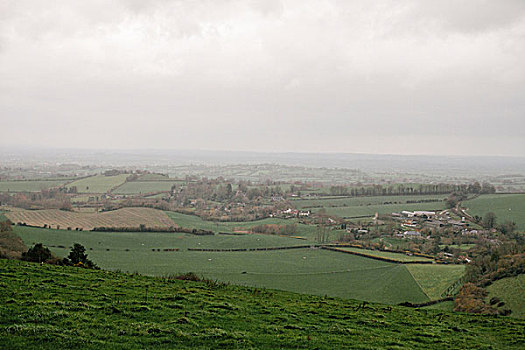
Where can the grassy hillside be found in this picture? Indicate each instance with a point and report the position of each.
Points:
(506, 207)
(98, 183)
(50, 307)
(511, 291)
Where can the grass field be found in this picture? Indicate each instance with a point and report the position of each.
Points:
(126, 217)
(368, 206)
(193, 221)
(29, 185)
(52, 307)
(510, 290)
(390, 255)
(141, 187)
(507, 207)
(435, 279)
(312, 271)
(98, 183)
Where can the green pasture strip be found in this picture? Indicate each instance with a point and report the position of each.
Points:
(390, 255)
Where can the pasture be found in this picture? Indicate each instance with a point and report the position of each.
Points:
(98, 183)
(389, 255)
(143, 187)
(193, 221)
(126, 217)
(55, 307)
(312, 271)
(435, 279)
(30, 185)
(367, 206)
(507, 207)
(511, 290)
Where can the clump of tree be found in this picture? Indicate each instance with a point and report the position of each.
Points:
(37, 253)
(78, 257)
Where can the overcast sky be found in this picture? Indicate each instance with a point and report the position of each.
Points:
(401, 77)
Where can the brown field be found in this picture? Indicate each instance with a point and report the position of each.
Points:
(126, 217)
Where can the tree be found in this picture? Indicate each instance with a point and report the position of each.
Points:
(38, 253)
(78, 256)
(489, 220)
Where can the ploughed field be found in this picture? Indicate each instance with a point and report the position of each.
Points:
(126, 217)
(304, 270)
(52, 307)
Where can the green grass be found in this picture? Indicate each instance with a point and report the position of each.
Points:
(456, 246)
(510, 290)
(390, 255)
(29, 185)
(368, 206)
(51, 307)
(507, 207)
(435, 279)
(98, 183)
(142, 187)
(193, 221)
(364, 201)
(312, 271)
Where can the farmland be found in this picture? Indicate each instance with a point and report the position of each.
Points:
(62, 307)
(29, 185)
(389, 255)
(311, 271)
(126, 217)
(193, 221)
(368, 206)
(142, 187)
(506, 207)
(98, 183)
(511, 291)
(435, 279)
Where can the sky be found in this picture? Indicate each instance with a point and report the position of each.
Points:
(389, 77)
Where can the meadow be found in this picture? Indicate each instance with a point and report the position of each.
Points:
(511, 290)
(193, 221)
(98, 183)
(312, 271)
(30, 185)
(435, 279)
(507, 207)
(53, 307)
(143, 187)
(352, 207)
(125, 217)
(389, 255)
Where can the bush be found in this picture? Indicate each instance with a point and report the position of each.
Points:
(38, 253)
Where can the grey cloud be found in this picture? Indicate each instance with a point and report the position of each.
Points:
(360, 76)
